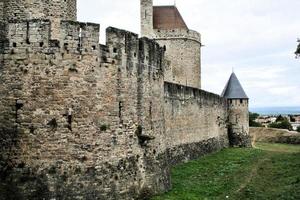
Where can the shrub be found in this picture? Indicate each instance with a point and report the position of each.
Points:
(252, 118)
(285, 124)
(298, 129)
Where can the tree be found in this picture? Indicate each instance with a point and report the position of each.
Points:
(298, 50)
(285, 124)
(252, 118)
(292, 119)
(298, 129)
(280, 119)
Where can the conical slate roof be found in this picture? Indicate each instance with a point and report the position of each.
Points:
(234, 89)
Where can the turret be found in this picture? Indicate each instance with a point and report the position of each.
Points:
(238, 113)
(183, 46)
(53, 10)
(146, 18)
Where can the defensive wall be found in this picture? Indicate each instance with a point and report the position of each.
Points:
(76, 116)
(195, 122)
(84, 120)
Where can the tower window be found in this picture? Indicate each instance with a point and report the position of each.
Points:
(241, 101)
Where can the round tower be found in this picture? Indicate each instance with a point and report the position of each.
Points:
(53, 10)
(39, 9)
(238, 113)
(183, 46)
(146, 18)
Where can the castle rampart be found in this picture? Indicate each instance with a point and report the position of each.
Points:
(195, 122)
(83, 120)
(87, 116)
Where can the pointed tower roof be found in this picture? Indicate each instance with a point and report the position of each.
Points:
(234, 89)
(167, 17)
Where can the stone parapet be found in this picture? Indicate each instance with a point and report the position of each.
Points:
(177, 34)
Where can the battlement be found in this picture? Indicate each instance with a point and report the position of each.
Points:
(79, 38)
(161, 34)
(23, 37)
(185, 93)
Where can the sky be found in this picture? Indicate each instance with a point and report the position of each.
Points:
(255, 38)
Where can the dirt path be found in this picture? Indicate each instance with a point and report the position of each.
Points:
(252, 174)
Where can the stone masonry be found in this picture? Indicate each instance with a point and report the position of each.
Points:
(182, 45)
(83, 120)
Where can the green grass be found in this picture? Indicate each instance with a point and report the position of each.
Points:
(269, 171)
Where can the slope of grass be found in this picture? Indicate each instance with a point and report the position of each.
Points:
(270, 172)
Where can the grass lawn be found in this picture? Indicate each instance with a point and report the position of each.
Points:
(269, 171)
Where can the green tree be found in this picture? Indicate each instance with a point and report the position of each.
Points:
(298, 129)
(252, 118)
(285, 124)
(280, 118)
(298, 50)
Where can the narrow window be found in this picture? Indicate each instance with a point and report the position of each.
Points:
(120, 112)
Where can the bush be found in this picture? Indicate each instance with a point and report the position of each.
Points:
(280, 119)
(298, 129)
(298, 50)
(285, 124)
(252, 118)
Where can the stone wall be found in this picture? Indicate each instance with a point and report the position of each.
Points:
(195, 122)
(79, 119)
(183, 50)
(1, 9)
(54, 10)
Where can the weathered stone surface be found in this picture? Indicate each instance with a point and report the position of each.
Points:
(238, 123)
(182, 45)
(80, 120)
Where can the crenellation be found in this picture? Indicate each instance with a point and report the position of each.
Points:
(177, 34)
(100, 121)
(80, 38)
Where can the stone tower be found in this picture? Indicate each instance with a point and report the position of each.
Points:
(53, 10)
(147, 18)
(238, 113)
(183, 46)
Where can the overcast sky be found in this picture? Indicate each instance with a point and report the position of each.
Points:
(255, 37)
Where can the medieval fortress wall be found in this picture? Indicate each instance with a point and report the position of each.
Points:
(77, 116)
(83, 120)
(195, 122)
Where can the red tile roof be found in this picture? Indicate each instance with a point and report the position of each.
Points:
(167, 17)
